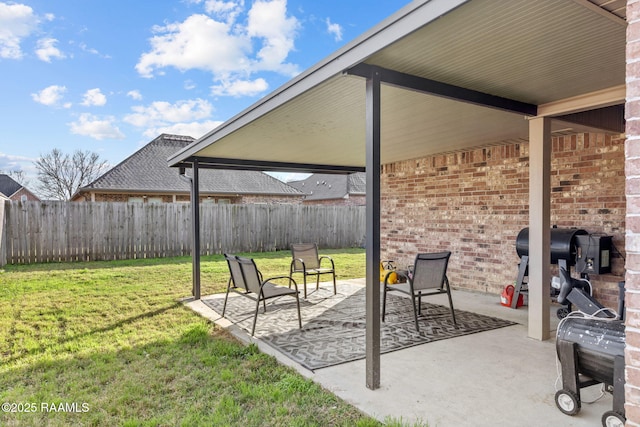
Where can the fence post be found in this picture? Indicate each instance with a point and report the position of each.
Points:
(3, 236)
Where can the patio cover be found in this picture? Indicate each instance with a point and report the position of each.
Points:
(439, 76)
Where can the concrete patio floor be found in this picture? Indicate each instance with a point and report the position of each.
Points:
(493, 378)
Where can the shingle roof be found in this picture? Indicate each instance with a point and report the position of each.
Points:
(330, 186)
(146, 170)
(8, 186)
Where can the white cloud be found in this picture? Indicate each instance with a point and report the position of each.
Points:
(17, 21)
(240, 87)
(10, 162)
(95, 127)
(46, 50)
(186, 117)
(51, 96)
(92, 51)
(289, 176)
(334, 29)
(134, 94)
(93, 97)
(197, 43)
(225, 10)
(223, 45)
(268, 20)
(161, 113)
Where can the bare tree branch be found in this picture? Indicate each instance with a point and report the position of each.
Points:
(61, 175)
(18, 176)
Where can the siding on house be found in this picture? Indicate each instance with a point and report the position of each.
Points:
(475, 202)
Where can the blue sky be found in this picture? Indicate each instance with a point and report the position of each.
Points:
(110, 75)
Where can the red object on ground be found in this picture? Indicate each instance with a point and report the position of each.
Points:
(507, 297)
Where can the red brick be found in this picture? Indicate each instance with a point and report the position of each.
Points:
(476, 206)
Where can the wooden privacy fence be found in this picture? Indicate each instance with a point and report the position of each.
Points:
(54, 231)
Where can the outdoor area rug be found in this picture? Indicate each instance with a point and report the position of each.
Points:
(333, 326)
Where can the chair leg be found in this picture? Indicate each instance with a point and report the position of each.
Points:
(384, 301)
(317, 282)
(415, 312)
(255, 317)
(224, 307)
(299, 316)
(335, 289)
(453, 314)
(304, 276)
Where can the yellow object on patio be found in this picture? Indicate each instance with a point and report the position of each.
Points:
(388, 267)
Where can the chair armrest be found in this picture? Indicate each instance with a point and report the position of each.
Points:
(333, 267)
(293, 265)
(289, 278)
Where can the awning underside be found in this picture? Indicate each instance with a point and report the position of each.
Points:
(538, 53)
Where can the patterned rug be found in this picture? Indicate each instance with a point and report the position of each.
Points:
(333, 326)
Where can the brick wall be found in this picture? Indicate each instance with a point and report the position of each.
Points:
(24, 192)
(632, 111)
(475, 202)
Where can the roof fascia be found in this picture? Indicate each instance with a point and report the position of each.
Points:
(15, 192)
(258, 165)
(444, 90)
(601, 11)
(588, 101)
(408, 19)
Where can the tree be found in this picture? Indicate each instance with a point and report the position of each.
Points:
(61, 175)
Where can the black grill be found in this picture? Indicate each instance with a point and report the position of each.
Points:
(591, 351)
(563, 244)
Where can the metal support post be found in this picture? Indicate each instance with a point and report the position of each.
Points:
(373, 230)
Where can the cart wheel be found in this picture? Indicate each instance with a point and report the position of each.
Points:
(612, 419)
(562, 312)
(567, 402)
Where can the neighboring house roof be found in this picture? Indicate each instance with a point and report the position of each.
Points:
(12, 190)
(320, 186)
(146, 170)
(8, 186)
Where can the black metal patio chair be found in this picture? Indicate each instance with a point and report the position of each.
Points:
(247, 280)
(307, 261)
(428, 277)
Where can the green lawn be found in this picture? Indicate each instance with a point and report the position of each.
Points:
(109, 343)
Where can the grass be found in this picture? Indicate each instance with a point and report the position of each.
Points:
(112, 342)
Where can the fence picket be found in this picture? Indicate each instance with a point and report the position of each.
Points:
(68, 231)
